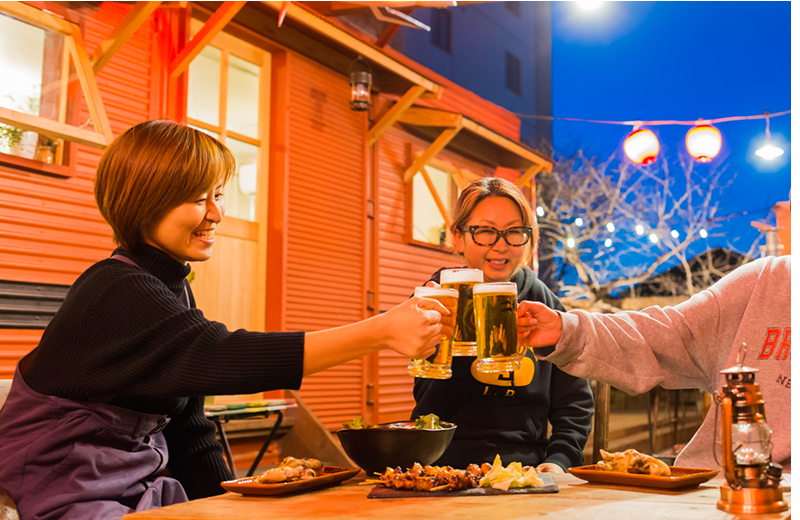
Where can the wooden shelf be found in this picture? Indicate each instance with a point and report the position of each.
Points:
(31, 166)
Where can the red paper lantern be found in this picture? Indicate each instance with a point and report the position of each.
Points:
(641, 146)
(703, 142)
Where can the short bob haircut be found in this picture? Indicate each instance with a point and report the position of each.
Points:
(486, 187)
(152, 168)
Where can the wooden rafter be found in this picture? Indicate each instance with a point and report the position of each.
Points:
(36, 17)
(508, 144)
(212, 27)
(387, 35)
(90, 91)
(528, 175)
(436, 198)
(124, 30)
(394, 113)
(368, 52)
(436, 146)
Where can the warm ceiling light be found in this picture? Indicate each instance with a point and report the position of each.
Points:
(703, 142)
(641, 146)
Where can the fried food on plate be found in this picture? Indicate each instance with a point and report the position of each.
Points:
(631, 461)
(290, 470)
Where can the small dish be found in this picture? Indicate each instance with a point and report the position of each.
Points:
(680, 478)
(250, 486)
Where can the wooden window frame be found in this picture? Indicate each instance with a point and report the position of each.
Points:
(228, 44)
(76, 49)
(460, 177)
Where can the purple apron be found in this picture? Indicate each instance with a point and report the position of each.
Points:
(64, 459)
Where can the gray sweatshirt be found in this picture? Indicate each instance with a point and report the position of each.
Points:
(686, 346)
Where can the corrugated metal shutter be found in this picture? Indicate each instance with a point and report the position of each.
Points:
(325, 258)
(51, 230)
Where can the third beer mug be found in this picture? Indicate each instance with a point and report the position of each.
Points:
(462, 280)
(440, 366)
(496, 327)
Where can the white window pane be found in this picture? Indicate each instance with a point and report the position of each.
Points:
(21, 61)
(242, 97)
(240, 193)
(203, 98)
(428, 223)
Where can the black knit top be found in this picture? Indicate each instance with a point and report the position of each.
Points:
(507, 414)
(126, 336)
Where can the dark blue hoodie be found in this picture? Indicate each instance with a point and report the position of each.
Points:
(507, 413)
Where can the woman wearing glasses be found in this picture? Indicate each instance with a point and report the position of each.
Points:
(506, 413)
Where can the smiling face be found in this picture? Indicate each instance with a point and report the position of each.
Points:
(186, 233)
(499, 262)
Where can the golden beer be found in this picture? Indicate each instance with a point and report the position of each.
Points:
(496, 327)
(463, 280)
(440, 366)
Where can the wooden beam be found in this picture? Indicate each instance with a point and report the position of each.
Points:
(431, 117)
(124, 30)
(437, 146)
(508, 144)
(387, 35)
(370, 53)
(436, 198)
(394, 113)
(36, 17)
(212, 27)
(86, 77)
(52, 128)
(528, 175)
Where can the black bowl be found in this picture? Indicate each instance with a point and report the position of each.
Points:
(375, 449)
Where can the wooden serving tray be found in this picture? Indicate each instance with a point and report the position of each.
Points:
(680, 478)
(381, 491)
(250, 486)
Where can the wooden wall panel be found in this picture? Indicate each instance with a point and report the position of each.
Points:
(325, 258)
(401, 266)
(50, 228)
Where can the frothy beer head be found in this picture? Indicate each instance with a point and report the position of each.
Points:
(496, 288)
(461, 276)
(435, 292)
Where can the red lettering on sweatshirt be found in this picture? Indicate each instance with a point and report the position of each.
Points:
(786, 346)
(771, 341)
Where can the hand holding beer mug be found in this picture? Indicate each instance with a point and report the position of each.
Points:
(440, 367)
(496, 327)
(463, 280)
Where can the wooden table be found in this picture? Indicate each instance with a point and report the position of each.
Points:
(576, 499)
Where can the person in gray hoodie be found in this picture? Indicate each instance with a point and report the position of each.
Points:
(685, 346)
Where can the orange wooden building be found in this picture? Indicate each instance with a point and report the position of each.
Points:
(334, 215)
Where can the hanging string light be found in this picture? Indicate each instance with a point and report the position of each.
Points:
(641, 146)
(769, 151)
(610, 227)
(703, 142)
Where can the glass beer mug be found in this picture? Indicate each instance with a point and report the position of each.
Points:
(463, 280)
(496, 327)
(440, 366)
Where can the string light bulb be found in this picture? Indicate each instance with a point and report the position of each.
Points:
(653, 238)
(579, 221)
(703, 142)
(639, 229)
(641, 146)
(703, 233)
(769, 151)
(570, 242)
(607, 242)
(540, 211)
(610, 227)
(674, 233)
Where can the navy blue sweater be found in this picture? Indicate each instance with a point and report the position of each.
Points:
(508, 413)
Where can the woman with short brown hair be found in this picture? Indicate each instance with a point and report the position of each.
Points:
(113, 394)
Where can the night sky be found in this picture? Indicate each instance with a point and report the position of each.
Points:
(680, 61)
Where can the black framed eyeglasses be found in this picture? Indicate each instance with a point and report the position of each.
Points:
(488, 235)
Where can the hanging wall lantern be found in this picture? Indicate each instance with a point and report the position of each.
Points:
(360, 85)
(703, 142)
(641, 146)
